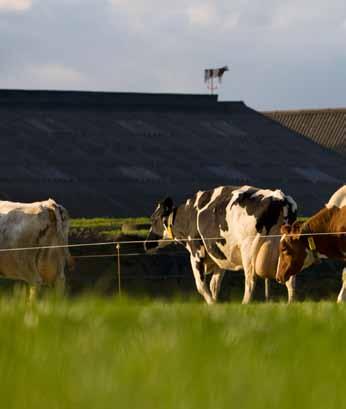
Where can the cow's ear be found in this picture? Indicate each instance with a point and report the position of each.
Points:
(167, 204)
(285, 229)
(52, 216)
(296, 227)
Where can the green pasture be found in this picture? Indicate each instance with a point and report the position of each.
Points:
(110, 227)
(109, 222)
(117, 353)
(106, 222)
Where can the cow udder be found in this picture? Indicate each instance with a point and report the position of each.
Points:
(267, 258)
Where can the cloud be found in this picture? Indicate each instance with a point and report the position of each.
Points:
(199, 12)
(202, 14)
(44, 76)
(55, 74)
(15, 5)
(308, 14)
(281, 54)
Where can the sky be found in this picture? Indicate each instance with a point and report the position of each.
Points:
(281, 54)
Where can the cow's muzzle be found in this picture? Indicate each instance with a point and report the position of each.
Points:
(280, 280)
(150, 247)
(152, 243)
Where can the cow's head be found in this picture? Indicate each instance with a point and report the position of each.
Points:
(158, 230)
(293, 252)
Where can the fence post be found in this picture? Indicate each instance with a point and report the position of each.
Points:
(118, 271)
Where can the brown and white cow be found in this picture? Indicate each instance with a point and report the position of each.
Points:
(38, 224)
(321, 236)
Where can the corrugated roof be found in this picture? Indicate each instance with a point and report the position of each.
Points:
(117, 154)
(327, 127)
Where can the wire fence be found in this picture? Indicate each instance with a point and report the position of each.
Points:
(175, 253)
(117, 254)
(176, 240)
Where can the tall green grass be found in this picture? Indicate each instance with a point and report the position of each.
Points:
(115, 353)
(106, 222)
(110, 227)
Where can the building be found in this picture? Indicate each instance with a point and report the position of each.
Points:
(326, 127)
(116, 154)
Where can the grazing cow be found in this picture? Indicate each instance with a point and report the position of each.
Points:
(37, 224)
(302, 244)
(225, 229)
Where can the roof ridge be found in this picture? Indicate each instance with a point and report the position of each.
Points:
(305, 111)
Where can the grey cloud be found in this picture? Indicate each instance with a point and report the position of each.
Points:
(8, 6)
(280, 54)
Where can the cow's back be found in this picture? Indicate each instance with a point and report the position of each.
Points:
(233, 219)
(338, 199)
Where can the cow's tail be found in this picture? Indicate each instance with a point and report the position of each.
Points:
(60, 219)
(70, 260)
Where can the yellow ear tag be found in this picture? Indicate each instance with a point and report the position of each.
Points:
(312, 244)
(169, 226)
(170, 233)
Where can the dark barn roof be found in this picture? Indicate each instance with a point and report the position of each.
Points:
(116, 154)
(327, 127)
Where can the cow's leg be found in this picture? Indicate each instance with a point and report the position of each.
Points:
(60, 280)
(342, 293)
(250, 283)
(249, 271)
(32, 294)
(267, 289)
(291, 288)
(199, 274)
(60, 285)
(215, 284)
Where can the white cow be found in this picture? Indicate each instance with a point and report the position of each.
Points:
(38, 224)
(339, 200)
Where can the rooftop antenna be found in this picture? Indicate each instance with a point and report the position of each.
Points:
(210, 74)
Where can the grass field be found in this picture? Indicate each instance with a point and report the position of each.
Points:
(118, 353)
(110, 228)
(106, 221)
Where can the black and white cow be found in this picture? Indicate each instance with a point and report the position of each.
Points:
(225, 229)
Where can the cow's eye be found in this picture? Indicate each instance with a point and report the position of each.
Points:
(288, 250)
(284, 249)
